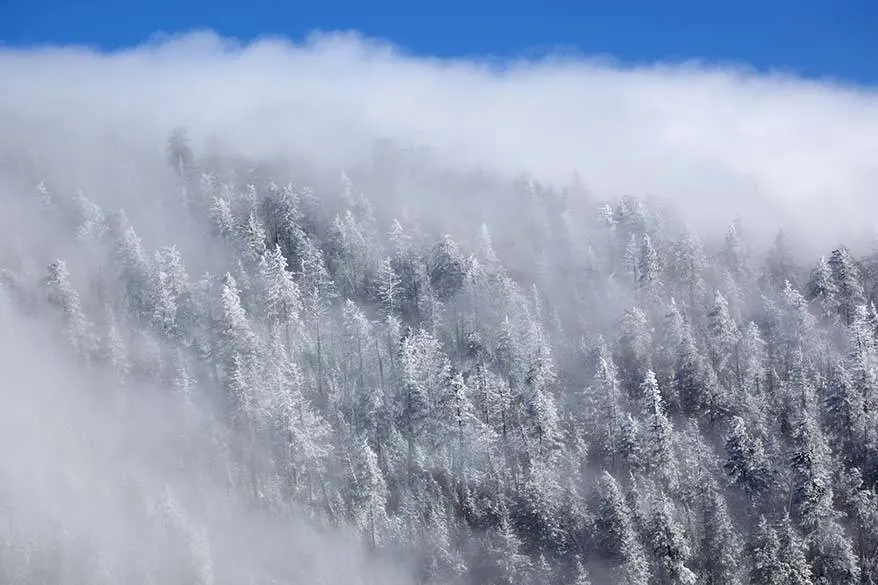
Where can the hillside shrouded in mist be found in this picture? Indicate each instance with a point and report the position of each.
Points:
(332, 314)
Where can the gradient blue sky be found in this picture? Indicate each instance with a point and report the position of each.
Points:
(813, 38)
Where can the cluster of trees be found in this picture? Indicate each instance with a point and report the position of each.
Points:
(627, 405)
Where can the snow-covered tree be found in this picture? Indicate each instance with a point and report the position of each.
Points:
(616, 536)
(61, 293)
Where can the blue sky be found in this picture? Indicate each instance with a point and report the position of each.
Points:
(813, 38)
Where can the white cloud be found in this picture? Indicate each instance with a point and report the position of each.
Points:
(774, 149)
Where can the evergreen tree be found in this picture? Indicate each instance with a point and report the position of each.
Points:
(424, 371)
(387, 289)
(172, 312)
(447, 268)
(659, 454)
(282, 299)
(821, 289)
(780, 267)
(670, 549)
(238, 355)
(846, 277)
(62, 295)
(721, 549)
(616, 537)
(687, 264)
(221, 219)
(834, 560)
(746, 461)
(132, 265)
(648, 267)
(252, 240)
(603, 409)
(724, 336)
(508, 565)
(766, 564)
(793, 553)
(367, 490)
(734, 253)
(811, 473)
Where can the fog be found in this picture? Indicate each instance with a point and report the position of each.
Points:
(717, 140)
(102, 483)
(124, 478)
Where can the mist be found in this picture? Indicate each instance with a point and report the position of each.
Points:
(332, 313)
(718, 141)
(103, 482)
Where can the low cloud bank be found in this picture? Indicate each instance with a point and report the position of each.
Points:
(775, 150)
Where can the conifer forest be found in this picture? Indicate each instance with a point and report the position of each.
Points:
(267, 374)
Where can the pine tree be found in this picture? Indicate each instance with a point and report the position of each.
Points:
(635, 343)
(734, 253)
(281, 297)
(485, 251)
(302, 432)
(862, 367)
(164, 312)
(821, 289)
(603, 410)
(696, 385)
(844, 411)
(351, 255)
(424, 371)
(746, 461)
(540, 412)
(457, 418)
(221, 219)
(833, 557)
(668, 544)
(724, 336)
(172, 312)
(62, 295)
(847, 279)
(766, 564)
(780, 267)
(721, 549)
(89, 218)
(793, 553)
(615, 534)
(509, 565)
(631, 258)
(132, 266)
(252, 240)
(388, 287)
(631, 449)
(317, 293)
(287, 217)
(659, 455)
(648, 266)
(687, 264)
(238, 354)
(861, 505)
(812, 480)
(752, 375)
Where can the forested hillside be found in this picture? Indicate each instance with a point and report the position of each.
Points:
(535, 387)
